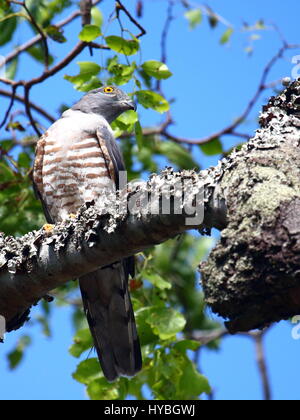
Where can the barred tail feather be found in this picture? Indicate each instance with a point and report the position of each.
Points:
(111, 320)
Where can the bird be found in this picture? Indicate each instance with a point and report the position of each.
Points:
(76, 160)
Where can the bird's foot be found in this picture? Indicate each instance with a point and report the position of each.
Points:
(48, 228)
(72, 216)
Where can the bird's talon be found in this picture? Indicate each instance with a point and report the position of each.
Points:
(48, 228)
(72, 216)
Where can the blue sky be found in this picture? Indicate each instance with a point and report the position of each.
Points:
(212, 84)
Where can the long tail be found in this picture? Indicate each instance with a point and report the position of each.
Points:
(111, 320)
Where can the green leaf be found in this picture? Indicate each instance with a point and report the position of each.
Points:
(157, 280)
(139, 135)
(6, 173)
(166, 322)
(146, 334)
(89, 33)
(192, 382)
(7, 27)
(128, 118)
(24, 160)
(11, 69)
(87, 371)
(16, 356)
(123, 46)
(86, 79)
(156, 69)
(55, 33)
(100, 389)
(194, 17)
(185, 345)
(97, 17)
(38, 53)
(82, 342)
(125, 123)
(44, 11)
(153, 100)
(226, 36)
(212, 148)
(123, 73)
(176, 154)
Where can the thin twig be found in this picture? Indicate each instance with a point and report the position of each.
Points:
(262, 364)
(86, 17)
(38, 38)
(153, 131)
(28, 111)
(11, 104)
(39, 30)
(32, 105)
(59, 66)
(132, 19)
(231, 129)
(205, 337)
(164, 37)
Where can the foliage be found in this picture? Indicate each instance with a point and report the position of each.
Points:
(168, 302)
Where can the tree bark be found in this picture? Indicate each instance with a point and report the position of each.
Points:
(121, 226)
(251, 277)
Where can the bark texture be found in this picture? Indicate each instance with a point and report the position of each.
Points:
(33, 265)
(252, 277)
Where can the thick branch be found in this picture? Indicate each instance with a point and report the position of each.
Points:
(33, 265)
(252, 277)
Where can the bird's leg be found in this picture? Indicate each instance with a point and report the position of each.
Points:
(72, 216)
(48, 228)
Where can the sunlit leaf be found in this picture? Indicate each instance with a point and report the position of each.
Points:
(123, 46)
(156, 69)
(87, 371)
(166, 322)
(55, 33)
(194, 16)
(176, 154)
(226, 36)
(214, 147)
(97, 17)
(153, 100)
(89, 33)
(82, 342)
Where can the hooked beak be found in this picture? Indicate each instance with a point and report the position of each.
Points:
(130, 104)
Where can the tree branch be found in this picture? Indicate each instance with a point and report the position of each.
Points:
(251, 277)
(33, 265)
(35, 40)
(231, 129)
(37, 27)
(11, 104)
(120, 6)
(261, 363)
(32, 105)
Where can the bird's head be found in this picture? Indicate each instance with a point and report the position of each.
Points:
(108, 101)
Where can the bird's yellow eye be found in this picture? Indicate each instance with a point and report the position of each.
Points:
(108, 89)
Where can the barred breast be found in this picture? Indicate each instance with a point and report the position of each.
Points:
(75, 168)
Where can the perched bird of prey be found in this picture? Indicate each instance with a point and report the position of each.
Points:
(76, 160)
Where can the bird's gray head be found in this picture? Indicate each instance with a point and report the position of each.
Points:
(108, 101)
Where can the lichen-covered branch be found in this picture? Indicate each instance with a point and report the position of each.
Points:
(150, 213)
(252, 277)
